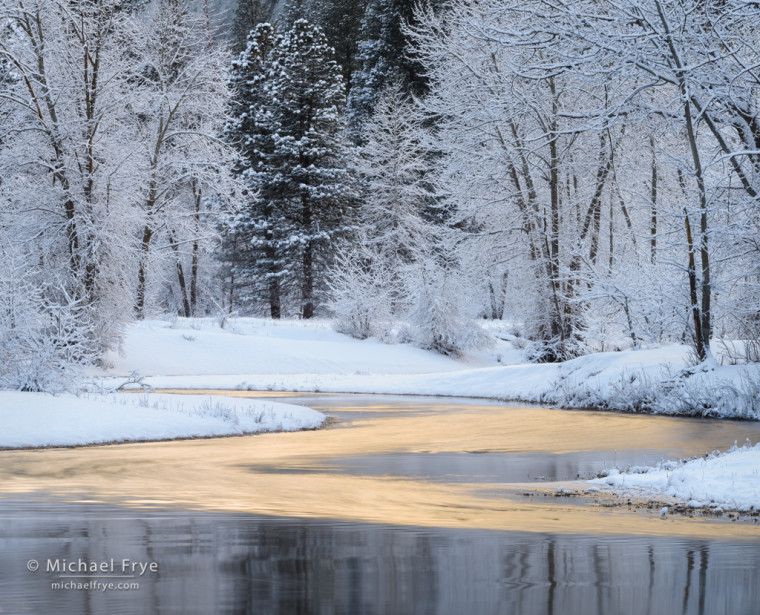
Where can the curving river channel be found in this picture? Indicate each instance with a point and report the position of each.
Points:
(401, 505)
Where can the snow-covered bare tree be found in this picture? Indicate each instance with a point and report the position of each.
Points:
(516, 156)
(184, 164)
(692, 66)
(594, 147)
(368, 282)
(44, 331)
(362, 290)
(396, 168)
(439, 313)
(104, 141)
(404, 265)
(65, 153)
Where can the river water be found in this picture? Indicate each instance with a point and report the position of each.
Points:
(403, 505)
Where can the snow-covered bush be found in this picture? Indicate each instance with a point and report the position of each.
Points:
(554, 350)
(361, 293)
(45, 333)
(438, 316)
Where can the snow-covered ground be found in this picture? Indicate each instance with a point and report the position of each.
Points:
(193, 347)
(38, 419)
(730, 480)
(261, 354)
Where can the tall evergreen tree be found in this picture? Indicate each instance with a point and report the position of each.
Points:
(255, 234)
(289, 121)
(310, 158)
(340, 20)
(382, 54)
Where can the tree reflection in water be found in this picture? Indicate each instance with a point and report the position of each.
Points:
(234, 563)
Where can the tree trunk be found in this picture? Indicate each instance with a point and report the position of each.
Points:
(273, 280)
(307, 283)
(307, 288)
(611, 261)
(142, 274)
(187, 310)
(231, 296)
(196, 248)
(558, 324)
(653, 218)
(698, 337)
(275, 308)
(183, 290)
(703, 329)
(702, 286)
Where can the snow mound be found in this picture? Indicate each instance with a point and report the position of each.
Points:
(729, 480)
(38, 419)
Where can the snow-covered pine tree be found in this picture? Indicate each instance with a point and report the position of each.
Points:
(379, 48)
(382, 55)
(311, 154)
(255, 234)
(248, 15)
(293, 133)
(293, 10)
(340, 21)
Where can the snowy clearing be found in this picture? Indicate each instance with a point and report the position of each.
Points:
(38, 419)
(729, 481)
(191, 347)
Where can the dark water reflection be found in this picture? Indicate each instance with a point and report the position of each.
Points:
(227, 563)
(478, 467)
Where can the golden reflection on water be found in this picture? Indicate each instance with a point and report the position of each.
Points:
(289, 474)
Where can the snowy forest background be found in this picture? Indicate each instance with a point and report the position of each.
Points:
(585, 171)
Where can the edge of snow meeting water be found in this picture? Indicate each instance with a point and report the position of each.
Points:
(703, 391)
(263, 354)
(31, 420)
(729, 480)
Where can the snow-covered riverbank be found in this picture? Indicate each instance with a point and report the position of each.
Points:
(38, 419)
(720, 481)
(260, 354)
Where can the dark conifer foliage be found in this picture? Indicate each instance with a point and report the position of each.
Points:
(248, 15)
(288, 121)
(383, 54)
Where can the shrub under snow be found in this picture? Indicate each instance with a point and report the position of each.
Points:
(45, 333)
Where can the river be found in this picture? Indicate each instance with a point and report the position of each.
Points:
(401, 505)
